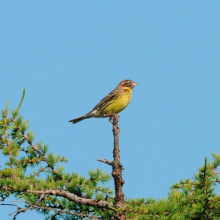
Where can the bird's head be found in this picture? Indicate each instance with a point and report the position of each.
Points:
(128, 83)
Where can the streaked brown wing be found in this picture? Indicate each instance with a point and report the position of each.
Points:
(106, 100)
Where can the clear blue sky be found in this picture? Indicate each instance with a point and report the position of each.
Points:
(70, 54)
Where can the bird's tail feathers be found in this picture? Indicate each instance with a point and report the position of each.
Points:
(76, 120)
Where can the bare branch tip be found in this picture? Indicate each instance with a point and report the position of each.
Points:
(105, 161)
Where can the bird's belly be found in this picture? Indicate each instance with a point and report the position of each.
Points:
(118, 104)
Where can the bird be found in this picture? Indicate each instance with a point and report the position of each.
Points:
(116, 101)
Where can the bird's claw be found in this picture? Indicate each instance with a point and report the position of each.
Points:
(114, 118)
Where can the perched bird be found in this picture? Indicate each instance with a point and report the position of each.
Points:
(113, 103)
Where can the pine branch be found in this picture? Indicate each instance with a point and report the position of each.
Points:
(43, 157)
(74, 198)
(40, 171)
(56, 210)
(19, 210)
(7, 138)
(117, 169)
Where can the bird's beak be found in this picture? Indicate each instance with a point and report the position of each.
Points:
(134, 84)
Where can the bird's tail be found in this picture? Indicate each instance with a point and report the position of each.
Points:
(76, 120)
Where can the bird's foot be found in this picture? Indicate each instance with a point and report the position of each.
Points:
(114, 118)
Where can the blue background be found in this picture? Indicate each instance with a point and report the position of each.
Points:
(70, 54)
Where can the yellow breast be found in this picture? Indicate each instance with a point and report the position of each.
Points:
(120, 102)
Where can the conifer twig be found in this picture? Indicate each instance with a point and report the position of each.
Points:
(43, 157)
(81, 215)
(7, 139)
(56, 210)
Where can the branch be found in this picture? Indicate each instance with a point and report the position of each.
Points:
(63, 211)
(41, 170)
(58, 211)
(74, 198)
(106, 161)
(19, 210)
(69, 196)
(117, 169)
